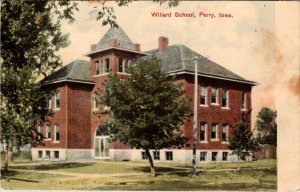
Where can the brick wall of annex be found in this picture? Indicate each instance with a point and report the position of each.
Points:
(79, 114)
(59, 117)
(214, 113)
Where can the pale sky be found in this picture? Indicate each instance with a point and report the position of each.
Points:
(260, 43)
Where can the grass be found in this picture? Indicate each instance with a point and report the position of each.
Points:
(168, 178)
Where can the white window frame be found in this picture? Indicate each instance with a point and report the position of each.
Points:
(202, 87)
(95, 103)
(56, 126)
(40, 157)
(54, 155)
(46, 156)
(57, 96)
(211, 128)
(211, 96)
(47, 132)
(227, 99)
(96, 68)
(205, 132)
(243, 100)
(226, 133)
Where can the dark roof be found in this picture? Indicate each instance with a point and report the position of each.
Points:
(179, 58)
(77, 71)
(115, 33)
(124, 43)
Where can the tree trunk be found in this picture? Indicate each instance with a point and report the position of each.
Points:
(238, 164)
(6, 158)
(10, 154)
(152, 169)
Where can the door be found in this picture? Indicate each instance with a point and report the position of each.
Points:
(101, 147)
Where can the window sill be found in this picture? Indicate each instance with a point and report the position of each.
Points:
(56, 141)
(204, 142)
(204, 105)
(102, 74)
(214, 140)
(215, 104)
(226, 108)
(243, 109)
(122, 73)
(225, 142)
(56, 109)
(48, 139)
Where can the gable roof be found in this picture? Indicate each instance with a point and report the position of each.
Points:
(179, 59)
(76, 71)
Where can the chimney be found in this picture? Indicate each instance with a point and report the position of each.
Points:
(163, 43)
(137, 47)
(113, 43)
(93, 47)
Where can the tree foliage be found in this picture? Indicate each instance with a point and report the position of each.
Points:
(242, 141)
(266, 126)
(147, 110)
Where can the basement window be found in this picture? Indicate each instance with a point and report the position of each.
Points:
(48, 154)
(224, 156)
(203, 156)
(169, 155)
(156, 155)
(144, 156)
(214, 156)
(56, 154)
(40, 154)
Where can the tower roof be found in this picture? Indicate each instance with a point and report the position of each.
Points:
(115, 38)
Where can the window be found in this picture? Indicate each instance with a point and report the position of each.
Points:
(156, 155)
(224, 98)
(213, 95)
(203, 156)
(57, 100)
(120, 65)
(243, 100)
(39, 130)
(214, 156)
(56, 154)
(224, 156)
(48, 131)
(56, 130)
(144, 156)
(96, 68)
(95, 101)
(48, 154)
(40, 154)
(169, 155)
(202, 131)
(213, 134)
(49, 103)
(202, 95)
(224, 132)
(106, 65)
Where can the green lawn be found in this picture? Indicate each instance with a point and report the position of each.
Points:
(168, 178)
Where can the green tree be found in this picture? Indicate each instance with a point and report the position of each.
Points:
(147, 110)
(266, 126)
(242, 141)
(30, 38)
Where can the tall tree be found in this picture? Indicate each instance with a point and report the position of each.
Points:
(266, 126)
(30, 38)
(242, 141)
(146, 111)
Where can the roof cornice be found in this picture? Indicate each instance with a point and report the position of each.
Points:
(68, 80)
(117, 48)
(177, 72)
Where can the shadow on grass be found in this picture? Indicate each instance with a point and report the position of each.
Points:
(54, 166)
(10, 175)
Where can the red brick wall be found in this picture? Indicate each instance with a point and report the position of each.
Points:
(79, 114)
(213, 113)
(59, 117)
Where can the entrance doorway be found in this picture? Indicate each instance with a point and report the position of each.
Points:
(101, 142)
